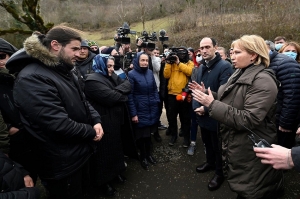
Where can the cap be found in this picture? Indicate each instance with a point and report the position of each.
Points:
(84, 44)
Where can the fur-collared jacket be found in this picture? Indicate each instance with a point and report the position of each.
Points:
(53, 110)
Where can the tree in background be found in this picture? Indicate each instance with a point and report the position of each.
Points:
(28, 13)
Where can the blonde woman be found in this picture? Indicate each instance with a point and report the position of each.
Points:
(246, 103)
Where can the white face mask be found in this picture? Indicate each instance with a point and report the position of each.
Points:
(198, 59)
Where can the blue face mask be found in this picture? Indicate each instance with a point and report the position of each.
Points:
(291, 54)
(278, 46)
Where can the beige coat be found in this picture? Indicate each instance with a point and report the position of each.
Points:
(250, 101)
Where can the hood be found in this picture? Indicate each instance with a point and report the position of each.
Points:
(33, 51)
(7, 47)
(136, 64)
(90, 57)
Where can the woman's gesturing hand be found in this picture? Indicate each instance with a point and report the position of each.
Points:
(203, 98)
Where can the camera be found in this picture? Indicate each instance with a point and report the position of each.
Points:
(180, 52)
(145, 37)
(122, 33)
(162, 36)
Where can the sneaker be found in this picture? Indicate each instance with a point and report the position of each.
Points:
(191, 149)
(173, 140)
(162, 127)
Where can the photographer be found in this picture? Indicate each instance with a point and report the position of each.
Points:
(177, 70)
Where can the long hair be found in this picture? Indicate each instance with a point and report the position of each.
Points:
(291, 43)
(254, 44)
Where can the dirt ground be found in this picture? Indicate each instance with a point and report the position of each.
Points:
(174, 177)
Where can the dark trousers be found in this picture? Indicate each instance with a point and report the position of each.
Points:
(70, 187)
(194, 125)
(213, 149)
(144, 145)
(286, 139)
(183, 109)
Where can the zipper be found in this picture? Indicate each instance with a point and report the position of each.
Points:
(12, 107)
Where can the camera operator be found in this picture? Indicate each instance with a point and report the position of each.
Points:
(154, 65)
(178, 70)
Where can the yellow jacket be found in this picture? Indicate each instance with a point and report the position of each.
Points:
(178, 76)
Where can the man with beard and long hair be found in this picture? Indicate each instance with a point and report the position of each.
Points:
(53, 109)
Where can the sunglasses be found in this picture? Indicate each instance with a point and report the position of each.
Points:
(2, 56)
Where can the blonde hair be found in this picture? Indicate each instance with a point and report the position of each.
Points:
(254, 44)
(292, 43)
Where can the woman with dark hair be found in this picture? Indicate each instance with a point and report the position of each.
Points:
(107, 93)
(291, 49)
(143, 106)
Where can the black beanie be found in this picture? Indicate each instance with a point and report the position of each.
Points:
(107, 50)
(6, 47)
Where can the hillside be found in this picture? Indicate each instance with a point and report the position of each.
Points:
(186, 22)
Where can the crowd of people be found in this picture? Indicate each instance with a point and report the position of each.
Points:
(72, 111)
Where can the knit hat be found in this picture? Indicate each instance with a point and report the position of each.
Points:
(6, 47)
(107, 50)
(84, 43)
(92, 43)
(191, 49)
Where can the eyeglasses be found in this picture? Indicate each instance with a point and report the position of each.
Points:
(2, 56)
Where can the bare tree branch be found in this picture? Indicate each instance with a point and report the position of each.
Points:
(28, 15)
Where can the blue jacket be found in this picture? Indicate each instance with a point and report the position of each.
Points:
(287, 72)
(213, 75)
(143, 100)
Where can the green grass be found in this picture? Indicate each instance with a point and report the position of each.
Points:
(104, 37)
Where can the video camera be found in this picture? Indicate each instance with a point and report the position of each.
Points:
(145, 37)
(180, 52)
(122, 33)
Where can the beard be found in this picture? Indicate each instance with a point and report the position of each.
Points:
(65, 60)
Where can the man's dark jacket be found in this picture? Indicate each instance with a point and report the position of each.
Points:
(287, 72)
(12, 180)
(53, 110)
(213, 76)
(85, 67)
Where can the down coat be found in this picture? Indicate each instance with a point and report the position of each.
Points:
(250, 102)
(143, 100)
(53, 110)
(287, 72)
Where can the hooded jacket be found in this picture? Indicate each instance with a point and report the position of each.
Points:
(53, 110)
(143, 100)
(249, 102)
(7, 47)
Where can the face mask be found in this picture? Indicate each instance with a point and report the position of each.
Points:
(278, 46)
(144, 68)
(198, 59)
(291, 54)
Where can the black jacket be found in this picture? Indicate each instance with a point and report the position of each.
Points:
(53, 110)
(287, 72)
(213, 76)
(12, 181)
